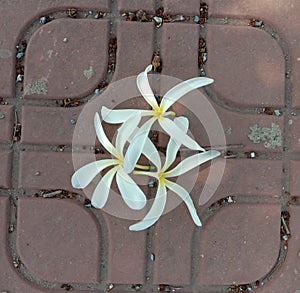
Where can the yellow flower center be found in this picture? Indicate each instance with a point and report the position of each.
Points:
(158, 112)
(120, 160)
(161, 177)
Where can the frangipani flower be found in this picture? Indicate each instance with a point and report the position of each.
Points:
(162, 175)
(158, 113)
(130, 192)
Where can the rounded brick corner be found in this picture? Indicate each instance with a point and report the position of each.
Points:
(239, 244)
(62, 58)
(58, 240)
(250, 61)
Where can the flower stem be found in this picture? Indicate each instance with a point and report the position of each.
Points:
(144, 167)
(172, 113)
(138, 172)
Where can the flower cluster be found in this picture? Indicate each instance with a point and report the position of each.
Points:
(125, 163)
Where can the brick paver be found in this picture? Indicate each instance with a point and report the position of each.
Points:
(240, 244)
(191, 7)
(5, 169)
(56, 56)
(286, 279)
(259, 82)
(44, 119)
(295, 183)
(62, 60)
(244, 177)
(275, 17)
(6, 123)
(180, 47)
(131, 36)
(68, 243)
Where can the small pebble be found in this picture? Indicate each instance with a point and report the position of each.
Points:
(20, 55)
(259, 23)
(43, 20)
(2, 116)
(196, 19)
(110, 287)
(97, 91)
(277, 112)
(252, 155)
(90, 12)
(37, 173)
(19, 78)
(285, 237)
(65, 40)
(73, 121)
(151, 184)
(152, 257)
(229, 199)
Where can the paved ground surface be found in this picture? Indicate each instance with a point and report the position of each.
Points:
(53, 58)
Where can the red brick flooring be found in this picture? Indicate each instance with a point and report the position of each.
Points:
(55, 54)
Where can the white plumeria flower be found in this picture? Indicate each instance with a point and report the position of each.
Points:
(158, 113)
(130, 192)
(162, 175)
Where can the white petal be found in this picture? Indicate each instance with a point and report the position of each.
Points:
(136, 146)
(145, 89)
(125, 131)
(192, 162)
(184, 195)
(120, 115)
(101, 191)
(102, 136)
(175, 93)
(155, 211)
(133, 196)
(83, 176)
(173, 145)
(178, 135)
(151, 153)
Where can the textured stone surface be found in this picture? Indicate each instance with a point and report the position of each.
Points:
(45, 246)
(235, 127)
(126, 255)
(10, 279)
(43, 120)
(258, 82)
(172, 264)
(273, 16)
(286, 279)
(62, 58)
(240, 177)
(295, 182)
(191, 7)
(134, 5)
(45, 170)
(295, 133)
(137, 40)
(179, 50)
(5, 169)
(22, 17)
(6, 123)
(232, 251)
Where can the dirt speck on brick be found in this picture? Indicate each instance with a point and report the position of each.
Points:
(50, 53)
(89, 73)
(4, 53)
(38, 87)
(271, 137)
